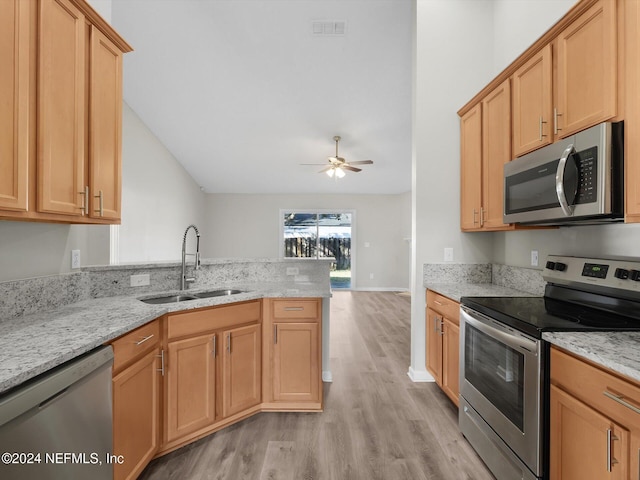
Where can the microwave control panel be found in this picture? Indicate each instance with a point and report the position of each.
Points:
(587, 163)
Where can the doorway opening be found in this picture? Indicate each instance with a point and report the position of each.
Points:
(321, 234)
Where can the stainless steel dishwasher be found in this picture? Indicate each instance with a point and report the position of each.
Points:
(59, 425)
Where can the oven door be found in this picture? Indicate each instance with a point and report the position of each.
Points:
(501, 377)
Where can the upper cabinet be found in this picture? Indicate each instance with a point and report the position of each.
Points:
(583, 71)
(587, 70)
(532, 103)
(65, 127)
(485, 146)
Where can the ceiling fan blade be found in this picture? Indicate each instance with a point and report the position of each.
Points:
(361, 162)
(349, 167)
(326, 169)
(312, 164)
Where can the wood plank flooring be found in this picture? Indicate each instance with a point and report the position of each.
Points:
(377, 423)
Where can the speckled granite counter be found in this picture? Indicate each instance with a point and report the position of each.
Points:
(32, 344)
(618, 351)
(456, 291)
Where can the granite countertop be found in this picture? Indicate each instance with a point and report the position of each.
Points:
(456, 291)
(32, 344)
(617, 351)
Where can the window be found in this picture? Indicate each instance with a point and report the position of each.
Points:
(315, 234)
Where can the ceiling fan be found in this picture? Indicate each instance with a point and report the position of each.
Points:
(338, 165)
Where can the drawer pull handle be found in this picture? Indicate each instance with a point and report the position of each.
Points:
(161, 356)
(144, 339)
(438, 303)
(293, 309)
(620, 399)
(610, 460)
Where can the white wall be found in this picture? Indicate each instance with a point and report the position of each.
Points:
(239, 225)
(159, 197)
(454, 41)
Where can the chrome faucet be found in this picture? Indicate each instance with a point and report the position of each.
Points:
(184, 280)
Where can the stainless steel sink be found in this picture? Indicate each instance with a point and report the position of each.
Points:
(218, 293)
(169, 299)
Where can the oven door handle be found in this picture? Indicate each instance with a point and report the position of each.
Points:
(481, 322)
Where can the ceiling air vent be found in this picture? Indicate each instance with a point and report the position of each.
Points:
(328, 28)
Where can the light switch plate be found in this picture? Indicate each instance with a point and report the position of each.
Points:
(448, 254)
(75, 258)
(534, 258)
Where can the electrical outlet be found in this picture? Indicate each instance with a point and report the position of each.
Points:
(140, 280)
(292, 271)
(75, 258)
(448, 254)
(534, 258)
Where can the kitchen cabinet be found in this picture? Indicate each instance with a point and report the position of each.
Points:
(293, 349)
(14, 98)
(137, 380)
(594, 421)
(533, 103)
(442, 342)
(213, 370)
(585, 81)
(485, 148)
(65, 120)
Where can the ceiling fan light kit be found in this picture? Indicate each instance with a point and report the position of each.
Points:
(338, 165)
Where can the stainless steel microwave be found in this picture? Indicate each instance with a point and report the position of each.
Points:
(577, 180)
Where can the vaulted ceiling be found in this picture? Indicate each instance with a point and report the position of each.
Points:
(242, 91)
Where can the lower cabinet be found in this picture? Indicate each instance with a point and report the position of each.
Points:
(293, 352)
(241, 367)
(136, 399)
(594, 422)
(442, 343)
(190, 386)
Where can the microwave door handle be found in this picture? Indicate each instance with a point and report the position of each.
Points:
(562, 196)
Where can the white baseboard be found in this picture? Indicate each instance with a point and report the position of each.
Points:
(327, 377)
(419, 376)
(375, 289)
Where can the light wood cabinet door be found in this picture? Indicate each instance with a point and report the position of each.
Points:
(241, 369)
(584, 443)
(296, 369)
(61, 108)
(136, 415)
(451, 360)
(14, 99)
(533, 103)
(191, 385)
(587, 69)
(434, 345)
(496, 151)
(471, 168)
(105, 127)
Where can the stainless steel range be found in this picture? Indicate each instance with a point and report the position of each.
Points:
(504, 363)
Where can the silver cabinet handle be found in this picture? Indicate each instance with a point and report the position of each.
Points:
(100, 198)
(542, 122)
(610, 461)
(293, 309)
(441, 326)
(475, 213)
(620, 399)
(275, 334)
(562, 195)
(149, 337)
(85, 201)
(481, 216)
(161, 369)
(438, 303)
(435, 325)
(228, 342)
(215, 352)
(555, 121)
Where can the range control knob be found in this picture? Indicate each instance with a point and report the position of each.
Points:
(634, 275)
(550, 265)
(621, 273)
(561, 267)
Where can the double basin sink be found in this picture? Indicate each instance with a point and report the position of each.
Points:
(191, 296)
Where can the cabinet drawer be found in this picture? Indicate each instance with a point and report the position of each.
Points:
(135, 343)
(589, 383)
(303, 308)
(444, 305)
(214, 318)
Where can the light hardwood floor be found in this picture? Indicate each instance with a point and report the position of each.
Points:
(377, 423)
